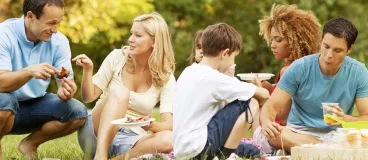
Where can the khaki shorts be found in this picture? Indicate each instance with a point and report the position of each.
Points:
(316, 132)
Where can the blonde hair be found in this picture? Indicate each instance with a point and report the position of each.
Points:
(301, 29)
(161, 62)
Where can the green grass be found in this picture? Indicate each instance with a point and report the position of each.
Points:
(62, 148)
(65, 148)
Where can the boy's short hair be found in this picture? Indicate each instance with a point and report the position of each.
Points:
(218, 37)
(342, 28)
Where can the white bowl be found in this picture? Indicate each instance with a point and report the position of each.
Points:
(250, 76)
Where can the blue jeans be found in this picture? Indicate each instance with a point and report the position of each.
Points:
(220, 127)
(123, 141)
(30, 115)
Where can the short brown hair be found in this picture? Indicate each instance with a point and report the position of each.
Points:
(342, 28)
(300, 28)
(218, 37)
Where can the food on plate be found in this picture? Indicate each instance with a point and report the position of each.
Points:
(284, 158)
(139, 119)
(63, 73)
(364, 138)
(328, 120)
(354, 138)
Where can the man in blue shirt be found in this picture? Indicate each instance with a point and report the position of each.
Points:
(31, 52)
(330, 76)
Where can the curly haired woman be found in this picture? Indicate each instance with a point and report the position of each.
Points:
(291, 33)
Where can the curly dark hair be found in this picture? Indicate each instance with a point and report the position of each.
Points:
(300, 28)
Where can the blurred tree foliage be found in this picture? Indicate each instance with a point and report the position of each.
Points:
(95, 27)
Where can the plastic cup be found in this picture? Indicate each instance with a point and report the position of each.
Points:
(327, 109)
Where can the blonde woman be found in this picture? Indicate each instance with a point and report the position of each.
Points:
(131, 80)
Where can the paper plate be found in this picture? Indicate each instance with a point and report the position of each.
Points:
(357, 124)
(277, 157)
(122, 122)
(250, 76)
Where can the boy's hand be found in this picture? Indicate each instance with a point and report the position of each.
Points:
(256, 81)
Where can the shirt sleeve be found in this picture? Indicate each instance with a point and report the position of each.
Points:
(104, 75)
(230, 89)
(289, 81)
(63, 58)
(362, 90)
(5, 58)
(167, 96)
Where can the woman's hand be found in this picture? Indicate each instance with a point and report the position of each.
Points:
(149, 126)
(83, 61)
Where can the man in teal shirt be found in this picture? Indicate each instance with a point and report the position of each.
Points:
(330, 76)
(31, 52)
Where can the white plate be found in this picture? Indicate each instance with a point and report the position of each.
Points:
(250, 76)
(122, 122)
(276, 157)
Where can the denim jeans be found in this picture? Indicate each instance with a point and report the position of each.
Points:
(123, 141)
(220, 127)
(30, 115)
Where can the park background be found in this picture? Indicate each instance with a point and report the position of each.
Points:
(96, 27)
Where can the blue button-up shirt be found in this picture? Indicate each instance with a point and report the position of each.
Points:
(17, 52)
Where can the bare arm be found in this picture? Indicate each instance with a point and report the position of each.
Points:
(277, 101)
(12, 81)
(90, 92)
(165, 124)
(267, 85)
(361, 104)
(261, 94)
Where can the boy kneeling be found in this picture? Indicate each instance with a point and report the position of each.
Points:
(204, 127)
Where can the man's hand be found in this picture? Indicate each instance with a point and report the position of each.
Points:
(339, 113)
(41, 71)
(272, 130)
(149, 126)
(67, 89)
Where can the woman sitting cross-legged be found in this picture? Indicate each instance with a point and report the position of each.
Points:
(131, 80)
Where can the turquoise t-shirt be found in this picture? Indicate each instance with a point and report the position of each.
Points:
(309, 88)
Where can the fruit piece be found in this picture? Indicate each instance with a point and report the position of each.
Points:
(328, 120)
